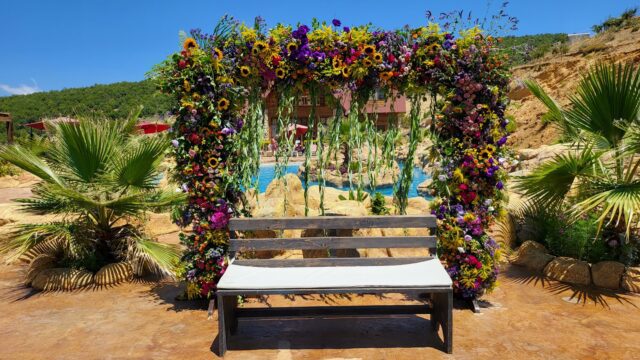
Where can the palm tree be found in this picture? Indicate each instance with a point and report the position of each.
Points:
(100, 178)
(602, 126)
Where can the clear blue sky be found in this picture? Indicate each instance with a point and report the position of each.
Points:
(49, 45)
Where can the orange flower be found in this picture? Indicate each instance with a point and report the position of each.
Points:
(190, 43)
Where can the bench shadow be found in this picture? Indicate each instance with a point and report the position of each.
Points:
(577, 294)
(391, 331)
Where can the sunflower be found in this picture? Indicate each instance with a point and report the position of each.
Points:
(291, 47)
(336, 62)
(223, 104)
(491, 149)
(190, 43)
(386, 75)
(377, 57)
(213, 162)
(369, 50)
(346, 72)
(258, 47)
(367, 62)
(218, 53)
(244, 71)
(280, 73)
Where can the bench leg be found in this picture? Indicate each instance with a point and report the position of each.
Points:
(227, 320)
(443, 315)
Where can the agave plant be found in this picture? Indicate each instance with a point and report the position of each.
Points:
(602, 127)
(100, 178)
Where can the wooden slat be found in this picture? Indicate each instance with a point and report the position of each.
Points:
(333, 311)
(309, 262)
(333, 243)
(333, 222)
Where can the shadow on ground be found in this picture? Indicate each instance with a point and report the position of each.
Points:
(584, 295)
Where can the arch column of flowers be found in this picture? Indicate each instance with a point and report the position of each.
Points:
(215, 80)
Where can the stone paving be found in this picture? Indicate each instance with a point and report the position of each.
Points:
(525, 318)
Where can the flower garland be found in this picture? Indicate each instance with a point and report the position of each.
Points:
(213, 75)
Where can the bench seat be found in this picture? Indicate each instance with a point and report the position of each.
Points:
(417, 274)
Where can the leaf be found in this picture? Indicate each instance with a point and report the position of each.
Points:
(29, 162)
(137, 164)
(160, 259)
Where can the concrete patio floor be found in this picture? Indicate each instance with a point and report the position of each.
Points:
(526, 317)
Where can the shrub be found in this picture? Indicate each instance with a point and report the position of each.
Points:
(379, 205)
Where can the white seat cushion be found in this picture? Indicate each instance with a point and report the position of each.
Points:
(419, 274)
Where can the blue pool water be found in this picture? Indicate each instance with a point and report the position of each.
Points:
(267, 174)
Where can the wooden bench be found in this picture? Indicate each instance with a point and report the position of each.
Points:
(408, 275)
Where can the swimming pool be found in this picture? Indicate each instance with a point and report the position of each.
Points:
(267, 174)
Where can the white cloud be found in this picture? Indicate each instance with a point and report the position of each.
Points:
(21, 89)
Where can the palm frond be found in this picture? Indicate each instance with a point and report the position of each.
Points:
(152, 256)
(620, 202)
(83, 150)
(555, 112)
(137, 164)
(30, 236)
(605, 96)
(550, 183)
(29, 162)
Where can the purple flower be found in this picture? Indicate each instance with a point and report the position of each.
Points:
(346, 29)
(500, 185)
(502, 141)
(219, 220)
(336, 22)
(175, 143)
(228, 131)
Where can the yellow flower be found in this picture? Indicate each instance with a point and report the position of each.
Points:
(336, 63)
(377, 57)
(346, 72)
(468, 217)
(258, 47)
(187, 86)
(367, 62)
(280, 73)
(223, 104)
(491, 149)
(213, 162)
(245, 71)
(218, 53)
(190, 43)
(369, 50)
(386, 75)
(458, 176)
(291, 47)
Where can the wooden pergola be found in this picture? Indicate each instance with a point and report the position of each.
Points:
(6, 118)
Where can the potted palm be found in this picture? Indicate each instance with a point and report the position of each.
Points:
(99, 177)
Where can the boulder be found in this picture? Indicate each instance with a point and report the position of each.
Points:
(607, 274)
(64, 279)
(533, 260)
(346, 208)
(631, 280)
(114, 274)
(423, 187)
(37, 265)
(418, 206)
(569, 270)
(288, 186)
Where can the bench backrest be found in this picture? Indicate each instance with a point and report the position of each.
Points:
(331, 242)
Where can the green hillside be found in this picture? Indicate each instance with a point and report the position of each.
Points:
(112, 100)
(522, 49)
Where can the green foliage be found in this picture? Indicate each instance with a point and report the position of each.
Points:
(101, 178)
(577, 238)
(522, 49)
(111, 101)
(356, 195)
(599, 175)
(626, 19)
(379, 205)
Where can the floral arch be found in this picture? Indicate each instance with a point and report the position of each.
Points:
(218, 82)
